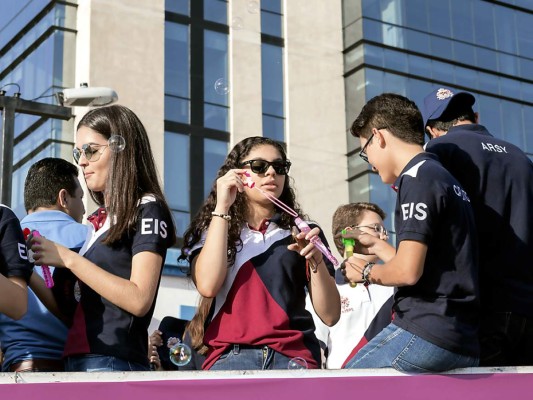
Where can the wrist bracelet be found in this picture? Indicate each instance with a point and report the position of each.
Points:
(227, 217)
(367, 269)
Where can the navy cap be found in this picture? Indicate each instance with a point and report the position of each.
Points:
(436, 103)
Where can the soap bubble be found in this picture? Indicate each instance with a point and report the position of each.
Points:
(297, 364)
(236, 23)
(221, 86)
(253, 7)
(117, 143)
(180, 354)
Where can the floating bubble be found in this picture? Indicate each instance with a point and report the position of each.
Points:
(297, 364)
(180, 354)
(221, 86)
(117, 143)
(253, 7)
(236, 23)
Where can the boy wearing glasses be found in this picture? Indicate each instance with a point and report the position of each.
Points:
(365, 309)
(434, 265)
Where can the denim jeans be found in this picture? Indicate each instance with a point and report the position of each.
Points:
(100, 363)
(395, 347)
(506, 339)
(260, 358)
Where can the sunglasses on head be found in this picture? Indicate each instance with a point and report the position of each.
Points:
(91, 151)
(261, 166)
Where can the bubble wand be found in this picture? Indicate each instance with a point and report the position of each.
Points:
(349, 244)
(47, 275)
(300, 223)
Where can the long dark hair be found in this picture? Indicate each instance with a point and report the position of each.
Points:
(132, 173)
(239, 208)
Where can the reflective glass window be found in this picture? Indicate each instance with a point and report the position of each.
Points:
(177, 6)
(439, 18)
(272, 79)
(489, 109)
(271, 24)
(216, 84)
(463, 22)
(177, 171)
(216, 11)
(416, 15)
(484, 24)
(215, 153)
(524, 35)
(177, 59)
(527, 114)
(514, 130)
(505, 24)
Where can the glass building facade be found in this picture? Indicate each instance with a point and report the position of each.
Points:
(411, 47)
(37, 45)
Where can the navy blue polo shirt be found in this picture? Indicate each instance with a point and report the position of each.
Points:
(262, 300)
(431, 208)
(13, 253)
(498, 178)
(101, 327)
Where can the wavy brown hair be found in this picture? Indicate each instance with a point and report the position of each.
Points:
(196, 325)
(132, 172)
(239, 208)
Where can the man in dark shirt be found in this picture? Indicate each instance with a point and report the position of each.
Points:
(498, 178)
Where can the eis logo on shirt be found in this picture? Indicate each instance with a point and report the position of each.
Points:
(416, 210)
(152, 226)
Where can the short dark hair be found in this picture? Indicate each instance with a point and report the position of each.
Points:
(399, 115)
(449, 119)
(45, 179)
(348, 215)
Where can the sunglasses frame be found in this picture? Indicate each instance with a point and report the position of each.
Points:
(280, 167)
(94, 148)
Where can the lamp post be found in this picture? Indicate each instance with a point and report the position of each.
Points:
(9, 105)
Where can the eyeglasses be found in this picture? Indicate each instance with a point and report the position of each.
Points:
(91, 151)
(261, 166)
(378, 228)
(362, 153)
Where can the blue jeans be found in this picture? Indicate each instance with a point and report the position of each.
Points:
(395, 347)
(99, 363)
(260, 358)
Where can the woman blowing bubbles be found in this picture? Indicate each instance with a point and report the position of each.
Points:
(119, 267)
(240, 252)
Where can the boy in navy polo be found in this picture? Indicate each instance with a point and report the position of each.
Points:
(435, 263)
(15, 270)
(498, 178)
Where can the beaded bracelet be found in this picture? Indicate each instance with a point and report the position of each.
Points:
(227, 217)
(366, 272)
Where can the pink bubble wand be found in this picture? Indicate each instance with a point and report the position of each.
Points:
(300, 223)
(47, 275)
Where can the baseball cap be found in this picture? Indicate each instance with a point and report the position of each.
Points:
(438, 101)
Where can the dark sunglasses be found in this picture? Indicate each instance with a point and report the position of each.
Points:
(88, 150)
(261, 166)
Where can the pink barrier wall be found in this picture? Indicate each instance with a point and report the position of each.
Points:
(508, 386)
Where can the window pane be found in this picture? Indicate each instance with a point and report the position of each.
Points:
(484, 24)
(177, 6)
(182, 220)
(177, 171)
(215, 153)
(272, 74)
(270, 5)
(216, 86)
(177, 109)
(271, 24)
(177, 59)
(274, 128)
(216, 11)
(216, 117)
(439, 17)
